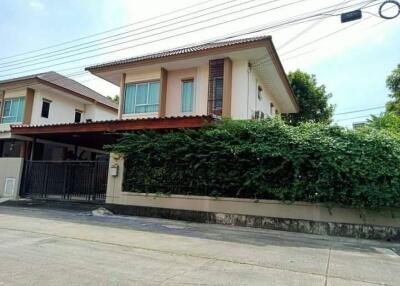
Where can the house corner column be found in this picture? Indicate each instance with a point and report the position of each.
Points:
(30, 94)
(121, 96)
(2, 95)
(163, 92)
(227, 89)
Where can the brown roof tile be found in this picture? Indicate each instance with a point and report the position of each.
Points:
(179, 51)
(64, 82)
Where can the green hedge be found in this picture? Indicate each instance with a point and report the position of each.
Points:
(266, 160)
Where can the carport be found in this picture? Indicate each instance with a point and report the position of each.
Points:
(83, 179)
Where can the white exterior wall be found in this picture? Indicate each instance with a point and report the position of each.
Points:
(98, 113)
(62, 108)
(245, 102)
(10, 177)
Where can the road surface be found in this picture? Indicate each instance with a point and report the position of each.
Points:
(42, 245)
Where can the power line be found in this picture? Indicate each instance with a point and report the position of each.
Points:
(352, 118)
(108, 31)
(98, 41)
(230, 13)
(360, 110)
(168, 37)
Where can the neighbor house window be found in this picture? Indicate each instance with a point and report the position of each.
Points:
(218, 92)
(45, 108)
(187, 95)
(13, 110)
(142, 97)
(78, 116)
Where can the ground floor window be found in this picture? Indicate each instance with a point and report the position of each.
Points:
(10, 148)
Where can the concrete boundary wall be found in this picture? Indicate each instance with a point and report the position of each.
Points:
(299, 216)
(10, 177)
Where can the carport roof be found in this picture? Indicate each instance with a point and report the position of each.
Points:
(97, 134)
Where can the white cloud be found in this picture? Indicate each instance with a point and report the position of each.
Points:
(38, 5)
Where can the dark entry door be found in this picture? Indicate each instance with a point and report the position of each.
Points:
(66, 180)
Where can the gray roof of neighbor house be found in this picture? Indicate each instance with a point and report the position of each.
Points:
(64, 83)
(180, 51)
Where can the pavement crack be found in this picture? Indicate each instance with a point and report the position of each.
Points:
(327, 266)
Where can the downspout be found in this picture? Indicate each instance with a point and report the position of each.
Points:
(248, 89)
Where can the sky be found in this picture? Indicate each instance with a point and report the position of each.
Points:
(352, 60)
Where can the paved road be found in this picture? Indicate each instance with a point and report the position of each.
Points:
(53, 246)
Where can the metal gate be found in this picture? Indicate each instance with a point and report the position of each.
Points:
(66, 180)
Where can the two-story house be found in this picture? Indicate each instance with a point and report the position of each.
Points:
(43, 99)
(181, 88)
(240, 79)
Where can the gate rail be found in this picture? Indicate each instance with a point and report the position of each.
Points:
(65, 180)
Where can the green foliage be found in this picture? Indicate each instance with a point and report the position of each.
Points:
(312, 99)
(267, 160)
(393, 84)
(114, 98)
(388, 121)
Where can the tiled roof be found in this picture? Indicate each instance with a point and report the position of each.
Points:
(180, 51)
(66, 83)
(205, 117)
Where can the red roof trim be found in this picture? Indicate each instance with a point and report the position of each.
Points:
(115, 125)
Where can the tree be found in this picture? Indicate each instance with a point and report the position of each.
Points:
(114, 98)
(388, 121)
(312, 99)
(393, 84)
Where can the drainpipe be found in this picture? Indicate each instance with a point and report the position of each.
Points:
(33, 148)
(248, 89)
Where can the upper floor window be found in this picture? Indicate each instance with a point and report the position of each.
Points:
(13, 110)
(218, 92)
(45, 108)
(78, 116)
(187, 95)
(142, 97)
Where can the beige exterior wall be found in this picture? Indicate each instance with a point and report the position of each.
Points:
(10, 176)
(264, 208)
(244, 100)
(142, 76)
(174, 90)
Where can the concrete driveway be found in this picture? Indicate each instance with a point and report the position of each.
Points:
(62, 246)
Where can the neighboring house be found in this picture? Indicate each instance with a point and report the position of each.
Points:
(43, 99)
(240, 79)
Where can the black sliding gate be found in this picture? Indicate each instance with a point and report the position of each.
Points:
(66, 180)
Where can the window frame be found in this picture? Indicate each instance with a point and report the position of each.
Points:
(77, 111)
(214, 93)
(136, 84)
(48, 111)
(3, 107)
(183, 81)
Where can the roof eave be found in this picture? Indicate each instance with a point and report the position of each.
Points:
(285, 80)
(161, 59)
